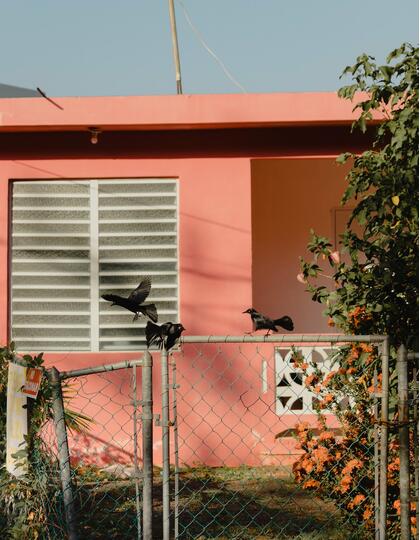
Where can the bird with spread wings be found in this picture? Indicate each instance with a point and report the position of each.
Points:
(134, 302)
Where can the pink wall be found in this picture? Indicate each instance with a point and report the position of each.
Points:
(228, 261)
(215, 273)
(216, 285)
(215, 231)
(226, 415)
(289, 197)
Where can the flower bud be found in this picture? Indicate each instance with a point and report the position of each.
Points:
(335, 256)
(301, 278)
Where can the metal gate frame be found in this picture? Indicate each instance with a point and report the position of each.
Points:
(380, 435)
(381, 424)
(145, 525)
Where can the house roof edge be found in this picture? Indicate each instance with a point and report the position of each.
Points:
(197, 111)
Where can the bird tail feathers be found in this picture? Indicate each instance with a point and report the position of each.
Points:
(153, 336)
(285, 322)
(150, 311)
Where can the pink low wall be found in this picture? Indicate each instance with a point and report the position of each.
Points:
(226, 416)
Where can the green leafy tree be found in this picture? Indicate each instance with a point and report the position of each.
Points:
(375, 284)
(382, 275)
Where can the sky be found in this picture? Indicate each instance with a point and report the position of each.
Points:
(123, 47)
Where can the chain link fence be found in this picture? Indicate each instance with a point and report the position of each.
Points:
(102, 465)
(234, 420)
(242, 410)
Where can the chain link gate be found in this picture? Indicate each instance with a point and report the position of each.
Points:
(99, 469)
(226, 470)
(225, 413)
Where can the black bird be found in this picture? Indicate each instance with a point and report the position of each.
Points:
(165, 335)
(261, 322)
(134, 302)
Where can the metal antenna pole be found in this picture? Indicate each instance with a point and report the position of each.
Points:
(175, 47)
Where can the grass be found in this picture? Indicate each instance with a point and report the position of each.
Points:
(245, 503)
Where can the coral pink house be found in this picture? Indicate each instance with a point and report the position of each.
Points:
(253, 174)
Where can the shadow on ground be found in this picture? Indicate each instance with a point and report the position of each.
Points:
(243, 503)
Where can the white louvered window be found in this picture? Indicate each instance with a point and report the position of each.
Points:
(73, 241)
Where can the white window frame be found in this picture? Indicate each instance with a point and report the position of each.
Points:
(94, 260)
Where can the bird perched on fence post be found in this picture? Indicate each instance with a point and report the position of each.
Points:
(163, 336)
(262, 322)
(134, 302)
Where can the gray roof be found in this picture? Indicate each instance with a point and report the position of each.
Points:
(10, 91)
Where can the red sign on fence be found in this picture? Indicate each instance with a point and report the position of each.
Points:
(32, 382)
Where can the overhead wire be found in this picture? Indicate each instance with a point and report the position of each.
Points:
(208, 49)
(200, 38)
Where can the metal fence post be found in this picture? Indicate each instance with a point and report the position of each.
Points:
(147, 435)
(383, 494)
(414, 357)
(376, 452)
(165, 445)
(404, 442)
(63, 453)
(416, 442)
(176, 450)
(136, 457)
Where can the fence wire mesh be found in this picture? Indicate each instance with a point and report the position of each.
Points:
(105, 458)
(253, 453)
(256, 450)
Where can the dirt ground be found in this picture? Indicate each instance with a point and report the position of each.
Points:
(244, 503)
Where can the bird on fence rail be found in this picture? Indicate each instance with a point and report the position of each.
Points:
(262, 322)
(134, 302)
(163, 336)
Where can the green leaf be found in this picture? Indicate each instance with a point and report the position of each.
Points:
(342, 158)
